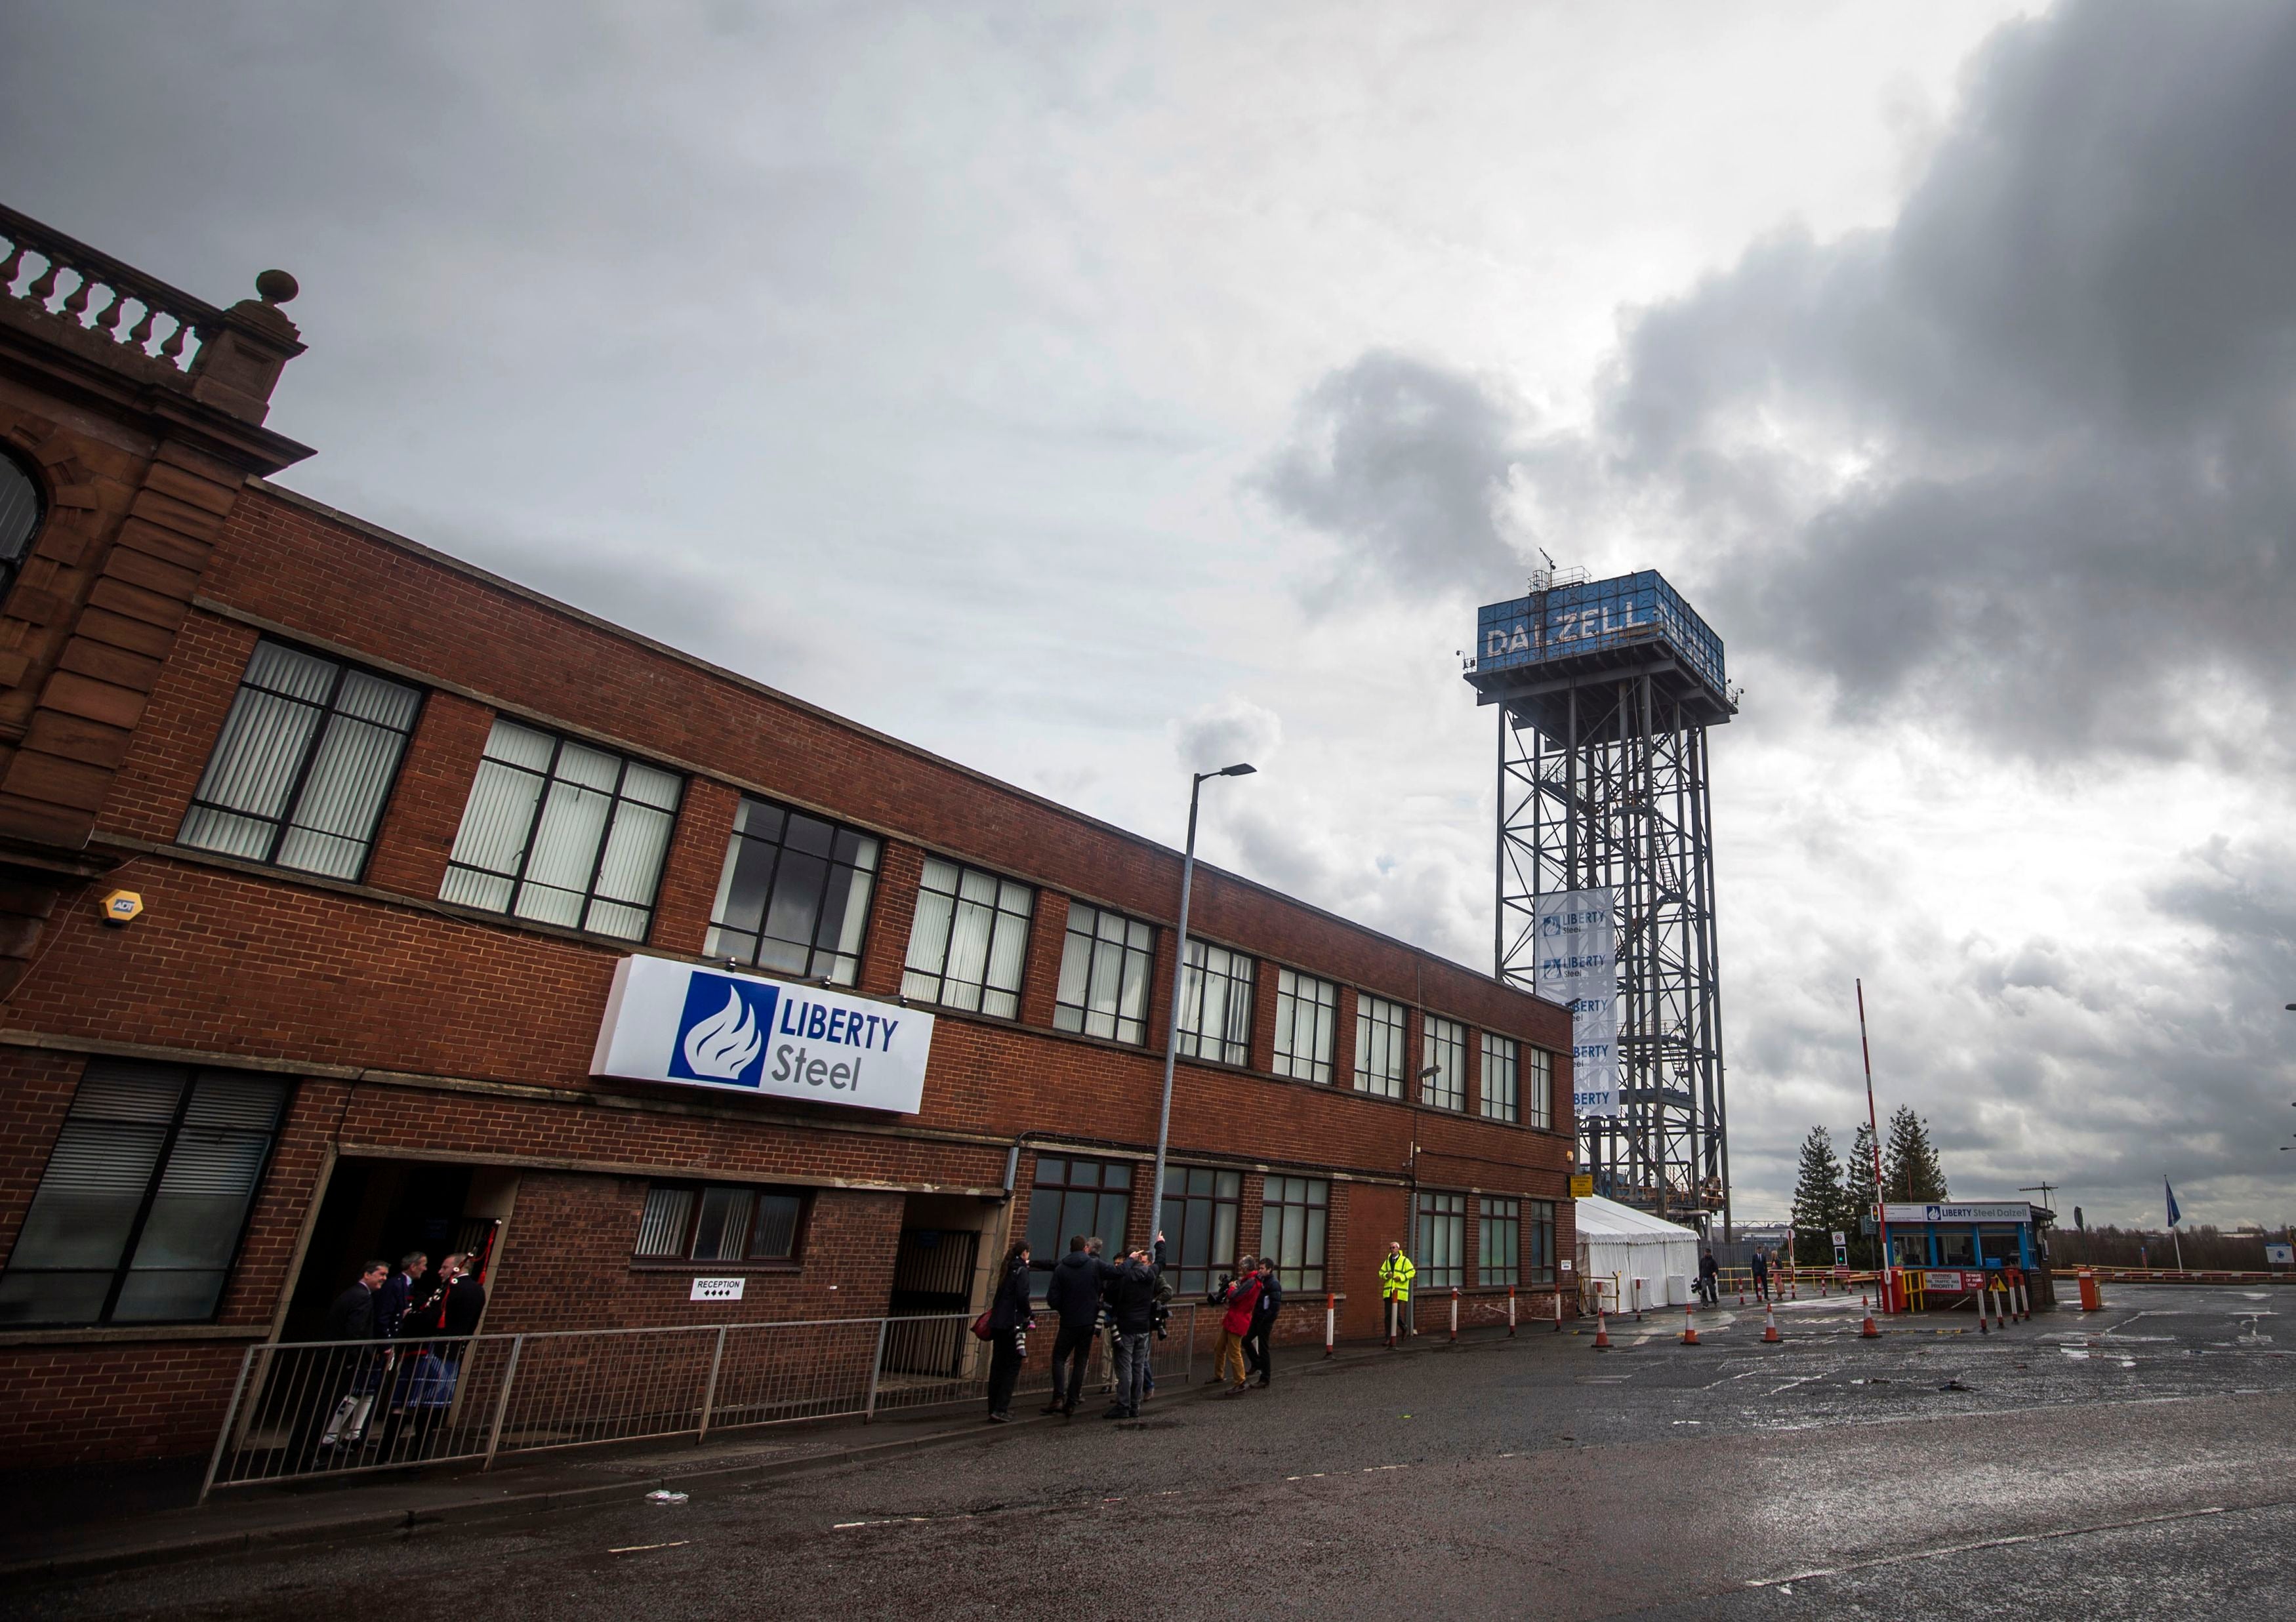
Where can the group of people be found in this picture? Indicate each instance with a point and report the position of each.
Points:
(1131, 1299)
(420, 1330)
(1709, 1276)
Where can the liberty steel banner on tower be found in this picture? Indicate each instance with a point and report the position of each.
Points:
(1576, 956)
(703, 1027)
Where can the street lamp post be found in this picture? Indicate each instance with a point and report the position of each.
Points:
(1179, 978)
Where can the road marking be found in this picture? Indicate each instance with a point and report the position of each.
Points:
(2002, 1543)
(642, 1548)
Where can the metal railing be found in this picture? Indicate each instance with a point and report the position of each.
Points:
(304, 1410)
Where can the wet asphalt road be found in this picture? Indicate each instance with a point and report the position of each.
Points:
(2137, 1462)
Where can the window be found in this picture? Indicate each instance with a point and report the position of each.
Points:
(719, 1224)
(1293, 1219)
(969, 941)
(138, 1215)
(1542, 1087)
(1092, 1198)
(1306, 1011)
(1199, 1224)
(1502, 1093)
(1497, 1234)
(794, 896)
(1444, 1050)
(1442, 1240)
(1105, 963)
(1538, 1243)
(1216, 1005)
(1380, 1053)
(563, 834)
(304, 764)
(20, 510)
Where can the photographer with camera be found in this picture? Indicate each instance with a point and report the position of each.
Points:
(1133, 1309)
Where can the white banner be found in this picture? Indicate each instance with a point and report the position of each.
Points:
(704, 1027)
(1575, 952)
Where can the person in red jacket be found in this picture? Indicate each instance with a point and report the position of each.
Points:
(1236, 1325)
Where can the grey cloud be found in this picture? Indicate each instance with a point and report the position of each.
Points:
(1407, 464)
(2024, 455)
(1224, 732)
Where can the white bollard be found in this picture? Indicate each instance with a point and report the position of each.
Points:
(1331, 1321)
(1454, 1312)
(1510, 1312)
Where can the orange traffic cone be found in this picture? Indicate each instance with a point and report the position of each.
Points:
(1602, 1332)
(1869, 1333)
(1689, 1325)
(1769, 1326)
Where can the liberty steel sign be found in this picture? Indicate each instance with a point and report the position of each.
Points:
(678, 1022)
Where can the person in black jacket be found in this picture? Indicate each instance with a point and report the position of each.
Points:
(398, 1294)
(1075, 1293)
(1264, 1309)
(465, 1303)
(352, 1317)
(1010, 1316)
(1132, 1318)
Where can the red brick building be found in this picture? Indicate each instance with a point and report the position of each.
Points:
(394, 822)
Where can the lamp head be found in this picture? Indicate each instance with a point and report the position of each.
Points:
(1241, 768)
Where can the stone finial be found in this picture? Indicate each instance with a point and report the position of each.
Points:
(276, 287)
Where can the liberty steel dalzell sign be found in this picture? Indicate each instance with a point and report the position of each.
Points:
(679, 1022)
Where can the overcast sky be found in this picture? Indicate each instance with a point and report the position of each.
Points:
(1085, 392)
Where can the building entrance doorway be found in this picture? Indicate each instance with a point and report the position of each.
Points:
(376, 1209)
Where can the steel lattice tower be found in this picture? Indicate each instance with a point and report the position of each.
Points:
(1604, 692)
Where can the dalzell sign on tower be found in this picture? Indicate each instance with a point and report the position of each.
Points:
(678, 1022)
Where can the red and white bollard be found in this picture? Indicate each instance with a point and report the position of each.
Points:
(1769, 1325)
(1558, 1312)
(1454, 1312)
(1510, 1312)
(1331, 1321)
(1984, 1323)
(1689, 1325)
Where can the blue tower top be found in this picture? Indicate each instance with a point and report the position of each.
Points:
(1585, 630)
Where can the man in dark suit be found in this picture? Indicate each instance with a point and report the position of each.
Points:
(398, 1293)
(352, 1317)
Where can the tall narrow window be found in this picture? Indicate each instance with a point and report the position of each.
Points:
(303, 765)
(1199, 1225)
(794, 896)
(969, 941)
(1075, 1198)
(1498, 1229)
(1294, 1215)
(1104, 967)
(1307, 1009)
(563, 833)
(20, 510)
(1216, 1005)
(1443, 1049)
(138, 1216)
(1380, 1054)
(1502, 1091)
(1442, 1256)
(1540, 1086)
(1539, 1242)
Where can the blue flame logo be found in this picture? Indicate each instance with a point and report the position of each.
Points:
(721, 1033)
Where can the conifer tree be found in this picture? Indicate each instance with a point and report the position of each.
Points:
(1858, 1199)
(1910, 1170)
(1818, 1198)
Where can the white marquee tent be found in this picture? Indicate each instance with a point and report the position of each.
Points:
(1636, 1259)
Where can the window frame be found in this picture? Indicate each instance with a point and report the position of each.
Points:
(1371, 1011)
(1537, 1242)
(937, 996)
(1083, 1013)
(1447, 1037)
(1189, 1039)
(736, 842)
(1042, 1260)
(1276, 1198)
(1538, 1087)
(1501, 1055)
(1319, 998)
(285, 823)
(689, 1231)
(1497, 1215)
(139, 1224)
(1432, 1206)
(1178, 1192)
(616, 799)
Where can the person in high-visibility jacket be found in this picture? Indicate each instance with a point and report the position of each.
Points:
(1395, 1275)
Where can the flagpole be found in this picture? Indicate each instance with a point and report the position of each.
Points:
(2173, 1214)
(1873, 1143)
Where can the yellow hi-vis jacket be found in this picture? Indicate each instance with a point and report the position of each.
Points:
(1395, 1275)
